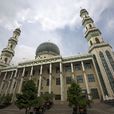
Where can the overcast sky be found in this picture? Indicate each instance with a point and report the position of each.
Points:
(57, 21)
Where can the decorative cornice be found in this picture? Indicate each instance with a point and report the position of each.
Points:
(41, 61)
(84, 56)
(103, 44)
(13, 39)
(8, 50)
(93, 29)
(86, 19)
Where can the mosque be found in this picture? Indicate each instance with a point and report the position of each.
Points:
(52, 73)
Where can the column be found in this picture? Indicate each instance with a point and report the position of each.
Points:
(50, 77)
(85, 78)
(21, 81)
(3, 82)
(31, 73)
(61, 82)
(72, 70)
(40, 80)
(13, 82)
(9, 82)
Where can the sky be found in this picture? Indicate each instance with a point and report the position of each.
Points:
(56, 21)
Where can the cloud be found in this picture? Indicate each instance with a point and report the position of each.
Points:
(23, 53)
(55, 20)
(51, 14)
(111, 25)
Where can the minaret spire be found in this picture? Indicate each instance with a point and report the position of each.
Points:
(8, 52)
(92, 34)
(102, 53)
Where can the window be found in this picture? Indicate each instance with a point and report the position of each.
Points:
(11, 46)
(57, 70)
(37, 83)
(90, 26)
(94, 93)
(48, 70)
(107, 70)
(47, 84)
(91, 78)
(6, 60)
(34, 72)
(79, 79)
(110, 59)
(57, 97)
(100, 77)
(26, 73)
(87, 65)
(68, 80)
(14, 85)
(68, 68)
(57, 81)
(91, 43)
(77, 67)
(97, 40)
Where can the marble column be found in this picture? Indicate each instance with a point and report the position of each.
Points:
(21, 81)
(40, 81)
(72, 70)
(50, 77)
(85, 78)
(61, 83)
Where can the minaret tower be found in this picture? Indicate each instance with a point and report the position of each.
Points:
(103, 54)
(8, 52)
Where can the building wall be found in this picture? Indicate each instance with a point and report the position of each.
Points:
(71, 69)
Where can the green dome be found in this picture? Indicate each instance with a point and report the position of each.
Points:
(47, 48)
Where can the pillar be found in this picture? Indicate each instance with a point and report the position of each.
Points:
(21, 82)
(72, 70)
(50, 77)
(40, 80)
(3, 82)
(9, 82)
(13, 82)
(31, 73)
(85, 78)
(61, 82)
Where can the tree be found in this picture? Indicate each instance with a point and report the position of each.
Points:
(5, 99)
(75, 97)
(28, 97)
(48, 97)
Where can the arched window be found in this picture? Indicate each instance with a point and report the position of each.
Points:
(107, 70)
(110, 58)
(90, 26)
(11, 46)
(91, 43)
(6, 60)
(97, 40)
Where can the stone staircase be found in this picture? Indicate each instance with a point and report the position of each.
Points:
(59, 108)
(63, 108)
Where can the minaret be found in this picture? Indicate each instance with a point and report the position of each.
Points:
(103, 54)
(8, 52)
